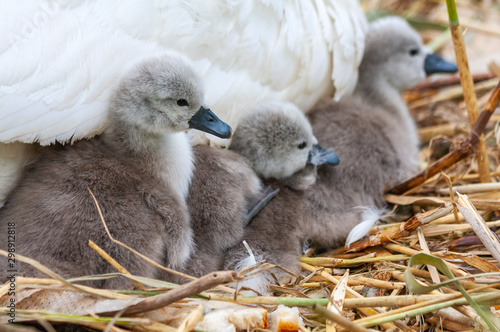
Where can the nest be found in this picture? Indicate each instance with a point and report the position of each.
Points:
(431, 265)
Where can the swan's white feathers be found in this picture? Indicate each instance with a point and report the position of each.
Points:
(248, 52)
(348, 46)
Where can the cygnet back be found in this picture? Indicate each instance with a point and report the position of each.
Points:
(367, 142)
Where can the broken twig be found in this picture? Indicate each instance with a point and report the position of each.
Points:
(191, 288)
(463, 150)
(467, 87)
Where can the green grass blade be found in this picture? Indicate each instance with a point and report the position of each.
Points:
(492, 321)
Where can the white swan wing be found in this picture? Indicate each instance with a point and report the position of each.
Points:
(61, 59)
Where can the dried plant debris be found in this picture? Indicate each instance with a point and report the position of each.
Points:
(432, 264)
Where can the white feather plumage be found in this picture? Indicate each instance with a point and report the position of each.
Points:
(61, 59)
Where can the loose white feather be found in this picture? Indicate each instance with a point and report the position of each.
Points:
(259, 282)
(369, 216)
(251, 257)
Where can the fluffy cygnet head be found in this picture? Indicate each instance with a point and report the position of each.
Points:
(162, 95)
(395, 50)
(278, 140)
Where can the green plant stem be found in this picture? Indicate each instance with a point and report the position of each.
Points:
(60, 317)
(452, 12)
(485, 299)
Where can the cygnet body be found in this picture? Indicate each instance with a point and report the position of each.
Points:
(372, 133)
(278, 141)
(222, 190)
(139, 170)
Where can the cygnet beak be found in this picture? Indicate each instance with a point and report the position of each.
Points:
(205, 120)
(435, 64)
(321, 156)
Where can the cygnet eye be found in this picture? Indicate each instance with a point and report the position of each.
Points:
(182, 102)
(302, 145)
(414, 51)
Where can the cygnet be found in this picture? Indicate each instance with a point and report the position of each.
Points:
(372, 133)
(278, 141)
(139, 170)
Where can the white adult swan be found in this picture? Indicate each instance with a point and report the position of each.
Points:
(59, 59)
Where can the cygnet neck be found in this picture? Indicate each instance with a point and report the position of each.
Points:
(374, 88)
(130, 139)
(302, 179)
(166, 156)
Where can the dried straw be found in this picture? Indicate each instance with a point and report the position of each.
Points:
(374, 293)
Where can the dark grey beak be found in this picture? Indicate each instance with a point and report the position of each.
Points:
(320, 156)
(205, 120)
(435, 64)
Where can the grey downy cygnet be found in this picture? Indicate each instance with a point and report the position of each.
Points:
(139, 170)
(372, 133)
(278, 141)
(222, 192)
